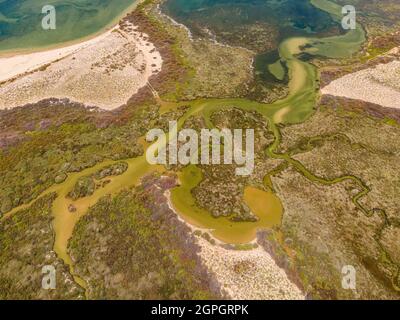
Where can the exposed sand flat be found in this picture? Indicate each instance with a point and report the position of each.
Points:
(104, 71)
(379, 85)
(248, 274)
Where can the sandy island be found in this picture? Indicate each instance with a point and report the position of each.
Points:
(104, 71)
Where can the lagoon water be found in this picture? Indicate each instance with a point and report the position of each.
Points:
(21, 21)
(291, 17)
(228, 20)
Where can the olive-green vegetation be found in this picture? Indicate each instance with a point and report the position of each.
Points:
(26, 245)
(126, 249)
(343, 180)
(46, 156)
(337, 155)
(214, 193)
(86, 186)
(214, 197)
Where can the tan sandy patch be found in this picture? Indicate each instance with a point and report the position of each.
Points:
(248, 274)
(379, 85)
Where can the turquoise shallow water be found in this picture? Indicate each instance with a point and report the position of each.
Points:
(21, 21)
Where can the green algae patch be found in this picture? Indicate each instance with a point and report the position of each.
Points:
(265, 205)
(277, 70)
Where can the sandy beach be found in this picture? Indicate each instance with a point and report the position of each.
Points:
(13, 66)
(379, 85)
(103, 72)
